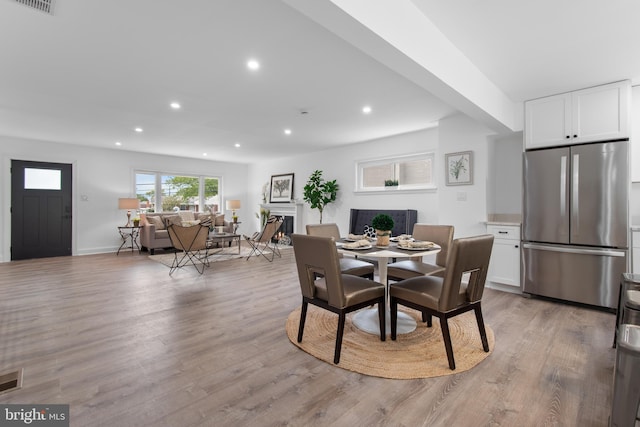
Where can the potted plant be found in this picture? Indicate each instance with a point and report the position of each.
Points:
(319, 193)
(383, 225)
(391, 183)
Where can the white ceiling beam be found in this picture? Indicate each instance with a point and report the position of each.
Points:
(400, 36)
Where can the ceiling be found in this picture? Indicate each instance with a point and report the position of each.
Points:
(95, 70)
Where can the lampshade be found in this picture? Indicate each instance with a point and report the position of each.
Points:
(233, 204)
(128, 203)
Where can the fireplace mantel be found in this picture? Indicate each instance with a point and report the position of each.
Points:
(287, 209)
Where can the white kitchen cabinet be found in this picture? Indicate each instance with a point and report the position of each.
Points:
(504, 266)
(595, 114)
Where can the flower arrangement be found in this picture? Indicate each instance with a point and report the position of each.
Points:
(265, 192)
(263, 216)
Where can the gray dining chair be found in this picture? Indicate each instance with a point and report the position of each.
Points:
(448, 296)
(348, 265)
(441, 235)
(332, 290)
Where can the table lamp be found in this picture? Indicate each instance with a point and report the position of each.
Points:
(232, 205)
(128, 204)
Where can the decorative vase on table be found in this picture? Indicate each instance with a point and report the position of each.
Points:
(382, 237)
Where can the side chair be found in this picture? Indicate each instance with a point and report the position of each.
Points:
(352, 266)
(334, 291)
(446, 297)
(262, 242)
(441, 235)
(191, 246)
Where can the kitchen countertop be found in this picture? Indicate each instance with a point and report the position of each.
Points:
(504, 223)
(504, 219)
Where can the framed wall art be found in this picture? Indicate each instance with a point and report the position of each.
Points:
(281, 188)
(459, 167)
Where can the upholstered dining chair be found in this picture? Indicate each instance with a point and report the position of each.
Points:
(446, 297)
(352, 266)
(333, 291)
(441, 235)
(191, 246)
(262, 242)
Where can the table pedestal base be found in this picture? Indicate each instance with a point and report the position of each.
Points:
(367, 320)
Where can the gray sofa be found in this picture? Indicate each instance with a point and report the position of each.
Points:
(153, 227)
(404, 220)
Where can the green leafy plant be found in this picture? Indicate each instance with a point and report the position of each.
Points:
(319, 193)
(382, 222)
(390, 182)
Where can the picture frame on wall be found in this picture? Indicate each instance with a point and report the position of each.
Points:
(459, 167)
(281, 188)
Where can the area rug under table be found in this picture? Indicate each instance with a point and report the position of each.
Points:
(419, 354)
(216, 255)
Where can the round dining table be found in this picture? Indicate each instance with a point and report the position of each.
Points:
(367, 320)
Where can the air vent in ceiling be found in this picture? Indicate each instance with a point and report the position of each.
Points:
(45, 6)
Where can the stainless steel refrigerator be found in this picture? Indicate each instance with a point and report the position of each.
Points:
(575, 222)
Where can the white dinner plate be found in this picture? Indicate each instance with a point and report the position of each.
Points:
(418, 249)
(359, 248)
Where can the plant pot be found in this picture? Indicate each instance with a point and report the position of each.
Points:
(136, 223)
(382, 237)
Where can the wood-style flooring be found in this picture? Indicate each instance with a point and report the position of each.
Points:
(125, 344)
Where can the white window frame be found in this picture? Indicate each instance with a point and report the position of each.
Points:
(158, 185)
(360, 165)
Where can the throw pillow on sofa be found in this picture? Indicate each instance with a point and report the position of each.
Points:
(219, 220)
(157, 221)
(172, 219)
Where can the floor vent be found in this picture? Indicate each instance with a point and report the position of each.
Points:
(10, 381)
(45, 6)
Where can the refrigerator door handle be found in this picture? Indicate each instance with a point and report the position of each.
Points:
(575, 193)
(563, 186)
(603, 252)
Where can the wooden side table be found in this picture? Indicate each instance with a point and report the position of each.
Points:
(129, 233)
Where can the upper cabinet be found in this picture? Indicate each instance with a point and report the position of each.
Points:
(594, 114)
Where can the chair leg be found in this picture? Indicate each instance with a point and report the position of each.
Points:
(444, 325)
(483, 332)
(303, 317)
(426, 317)
(383, 323)
(341, 320)
(394, 317)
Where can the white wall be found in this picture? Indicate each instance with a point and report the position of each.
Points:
(339, 164)
(468, 216)
(458, 133)
(504, 192)
(104, 175)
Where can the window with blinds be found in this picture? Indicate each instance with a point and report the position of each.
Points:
(413, 172)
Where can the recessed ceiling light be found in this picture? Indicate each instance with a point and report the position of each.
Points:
(138, 130)
(287, 131)
(204, 154)
(175, 105)
(366, 109)
(236, 145)
(118, 143)
(252, 64)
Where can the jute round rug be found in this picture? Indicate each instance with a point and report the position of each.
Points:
(419, 354)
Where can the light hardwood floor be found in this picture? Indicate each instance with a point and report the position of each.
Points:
(125, 344)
